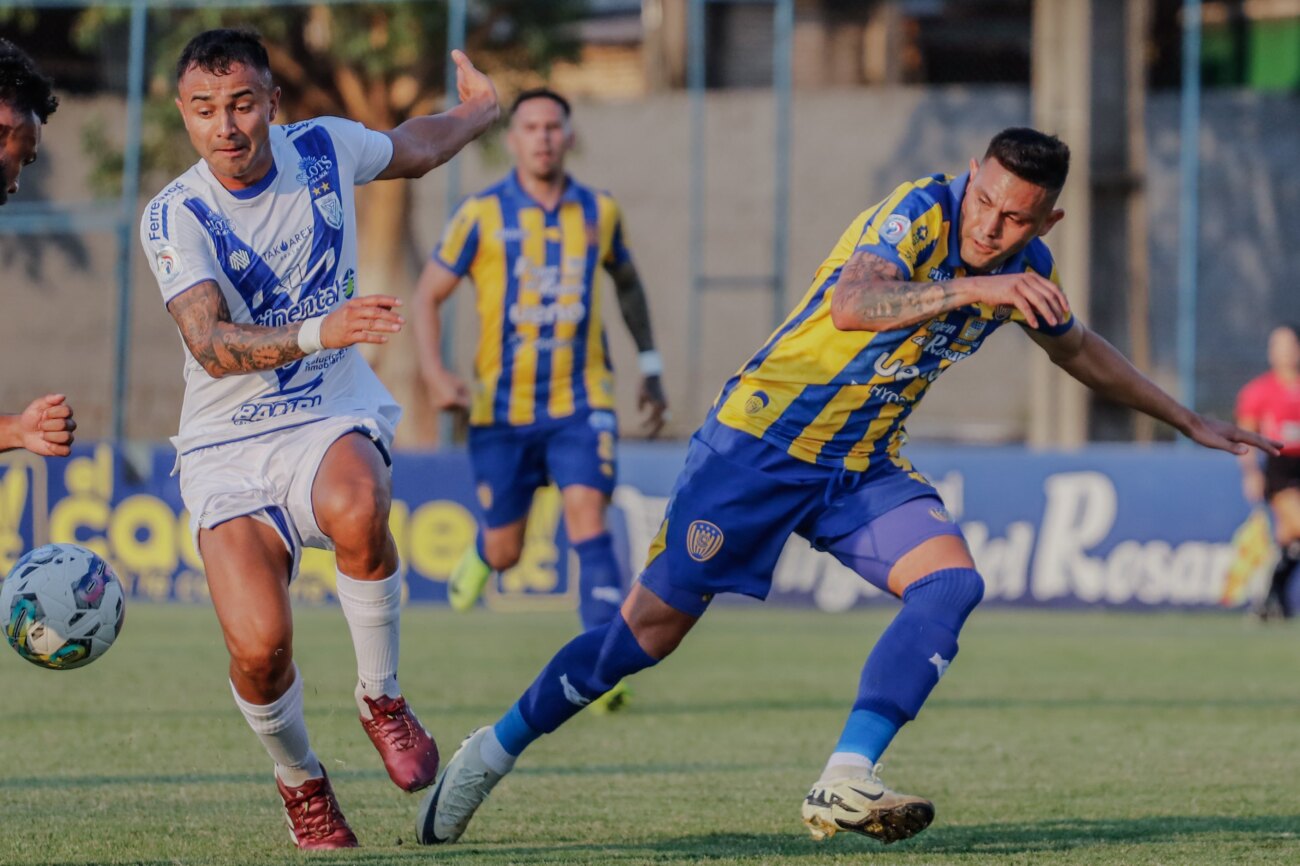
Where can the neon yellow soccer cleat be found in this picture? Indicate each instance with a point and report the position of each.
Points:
(468, 579)
(613, 700)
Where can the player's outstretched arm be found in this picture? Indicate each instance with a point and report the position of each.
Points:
(45, 427)
(446, 389)
(636, 313)
(873, 294)
(1089, 358)
(227, 348)
(421, 144)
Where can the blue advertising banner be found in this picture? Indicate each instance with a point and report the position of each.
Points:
(1113, 526)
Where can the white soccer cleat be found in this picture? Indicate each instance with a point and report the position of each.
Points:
(464, 785)
(863, 805)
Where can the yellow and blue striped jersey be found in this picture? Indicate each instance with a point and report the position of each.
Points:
(542, 350)
(840, 398)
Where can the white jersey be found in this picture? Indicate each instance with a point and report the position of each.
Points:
(282, 250)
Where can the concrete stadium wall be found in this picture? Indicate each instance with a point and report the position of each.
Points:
(850, 149)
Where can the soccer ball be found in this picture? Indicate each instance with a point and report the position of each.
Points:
(62, 606)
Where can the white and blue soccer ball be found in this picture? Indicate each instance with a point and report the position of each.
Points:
(62, 606)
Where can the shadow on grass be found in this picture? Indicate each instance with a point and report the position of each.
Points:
(985, 840)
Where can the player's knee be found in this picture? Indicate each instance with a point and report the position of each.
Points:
(501, 554)
(261, 664)
(355, 514)
(950, 593)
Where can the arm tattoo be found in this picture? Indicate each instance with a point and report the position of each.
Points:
(632, 302)
(223, 347)
(871, 292)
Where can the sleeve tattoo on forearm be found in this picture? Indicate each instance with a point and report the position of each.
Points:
(872, 289)
(219, 345)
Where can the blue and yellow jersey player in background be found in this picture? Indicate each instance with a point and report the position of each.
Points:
(806, 439)
(542, 404)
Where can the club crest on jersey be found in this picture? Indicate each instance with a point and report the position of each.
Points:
(331, 209)
(895, 228)
(703, 540)
(484, 495)
(756, 403)
(169, 264)
(239, 259)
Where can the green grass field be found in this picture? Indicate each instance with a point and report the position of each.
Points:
(1056, 738)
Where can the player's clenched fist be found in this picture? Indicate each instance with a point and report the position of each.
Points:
(1034, 296)
(46, 426)
(362, 320)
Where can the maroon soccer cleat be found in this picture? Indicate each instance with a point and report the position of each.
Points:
(409, 753)
(316, 822)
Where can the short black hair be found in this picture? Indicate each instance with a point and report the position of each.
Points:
(22, 86)
(216, 51)
(541, 93)
(1041, 159)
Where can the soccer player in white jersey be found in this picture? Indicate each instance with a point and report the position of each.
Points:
(26, 102)
(285, 430)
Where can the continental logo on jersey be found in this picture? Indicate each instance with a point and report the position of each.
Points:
(941, 515)
(703, 540)
(756, 403)
(485, 495)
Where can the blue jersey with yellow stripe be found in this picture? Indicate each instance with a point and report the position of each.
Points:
(840, 398)
(542, 350)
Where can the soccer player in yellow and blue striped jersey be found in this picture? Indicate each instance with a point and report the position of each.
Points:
(542, 404)
(806, 439)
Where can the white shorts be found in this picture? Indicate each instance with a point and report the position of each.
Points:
(269, 478)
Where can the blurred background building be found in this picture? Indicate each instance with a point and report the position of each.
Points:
(881, 92)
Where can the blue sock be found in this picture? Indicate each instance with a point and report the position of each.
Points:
(912, 654)
(600, 589)
(583, 670)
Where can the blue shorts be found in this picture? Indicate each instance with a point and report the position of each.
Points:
(738, 499)
(510, 463)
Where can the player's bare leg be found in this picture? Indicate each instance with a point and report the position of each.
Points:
(351, 498)
(1285, 506)
(247, 567)
(600, 588)
(849, 795)
(493, 549)
(646, 631)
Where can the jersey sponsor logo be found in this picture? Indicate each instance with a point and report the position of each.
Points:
(157, 214)
(169, 263)
(895, 228)
(217, 226)
(239, 259)
(756, 403)
(331, 209)
(940, 274)
(484, 491)
(547, 314)
(1003, 312)
(974, 328)
(310, 306)
(897, 371)
(703, 540)
(279, 248)
(292, 129)
(920, 234)
(280, 404)
(508, 235)
(312, 168)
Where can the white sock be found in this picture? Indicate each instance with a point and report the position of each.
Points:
(373, 611)
(283, 731)
(494, 754)
(846, 765)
